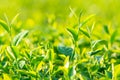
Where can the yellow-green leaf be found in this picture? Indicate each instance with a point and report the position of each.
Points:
(6, 77)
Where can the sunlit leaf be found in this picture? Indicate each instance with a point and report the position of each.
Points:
(101, 42)
(7, 20)
(51, 66)
(10, 54)
(15, 51)
(86, 20)
(19, 37)
(113, 36)
(14, 19)
(116, 72)
(39, 66)
(73, 12)
(6, 77)
(51, 55)
(21, 64)
(31, 73)
(66, 62)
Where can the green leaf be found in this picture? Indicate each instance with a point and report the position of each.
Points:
(4, 25)
(6, 76)
(51, 55)
(39, 66)
(95, 52)
(14, 19)
(65, 50)
(93, 25)
(66, 62)
(72, 71)
(95, 43)
(21, 63)
(31, 73)
(85, 33)
(73, 12)
(106, 29)
(10, 54)
(7, 21)
(15, 51)
(19, 37)
(108, 74)
(79, 17)
(86, 20)
(113, 36)
(116, 72)
(51, 66)
(74, 33)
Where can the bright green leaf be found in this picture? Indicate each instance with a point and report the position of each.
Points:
(10, 54)
(19, 37)
(113, 36)
(6, 77)
(21, 64)
(86, 20)
(102, 42)
(31, 73)
(14, 19)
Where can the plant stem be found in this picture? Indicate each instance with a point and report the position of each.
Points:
(113, 77)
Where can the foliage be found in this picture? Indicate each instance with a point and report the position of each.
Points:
(82, 50)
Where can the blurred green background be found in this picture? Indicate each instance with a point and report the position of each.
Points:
(57, 13)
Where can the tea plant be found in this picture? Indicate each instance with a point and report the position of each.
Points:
(24, 55)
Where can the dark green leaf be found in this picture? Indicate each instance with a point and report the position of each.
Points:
(65, 50)
(73, 33)
(108, 74)
(85, 33)
(106, 29)
(4, 25)
(72, 71)
(94, 52)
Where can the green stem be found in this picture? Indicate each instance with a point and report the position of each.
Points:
(113, 77)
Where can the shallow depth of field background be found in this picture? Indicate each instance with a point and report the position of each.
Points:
(45, 15)
(38, 42)
(40, 12)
